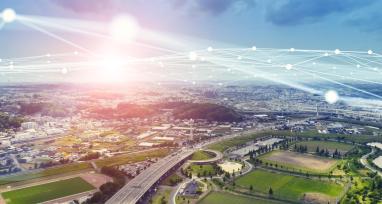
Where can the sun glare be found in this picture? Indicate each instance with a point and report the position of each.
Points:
(111, 69)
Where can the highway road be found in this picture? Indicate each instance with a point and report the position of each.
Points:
(133, 191)
(137, 187)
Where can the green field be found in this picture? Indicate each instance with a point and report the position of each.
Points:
(201, 155)
(202, 170)
(67, 168)
(331, 146)
(45, 192)
(286, 186)
(227, 198)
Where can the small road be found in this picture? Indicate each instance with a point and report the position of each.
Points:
(364, 162)
(176, 190)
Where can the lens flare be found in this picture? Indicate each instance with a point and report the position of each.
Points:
(8, 15)
(331, 96)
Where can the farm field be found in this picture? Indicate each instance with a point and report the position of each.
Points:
(289, 187)
(298, 161)
(227, 198)
(46, 192)
(201, 155)
(62, 169)
(331, 146)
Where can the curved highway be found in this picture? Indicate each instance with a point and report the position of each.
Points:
(364, 162)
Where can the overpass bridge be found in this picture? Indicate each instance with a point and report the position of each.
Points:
(134, 190)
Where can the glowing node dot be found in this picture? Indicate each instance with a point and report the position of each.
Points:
(269, 61)
(358, 66)
(292, 49)
(326, 54)
(193, 56)
(254, 48)
(331, 96)
(8, 15)
(1, 60)
(75, 53)
(64, 71)
(210, 49)
(239, 58)
(288, 66)
(337, 51)
(369, 52)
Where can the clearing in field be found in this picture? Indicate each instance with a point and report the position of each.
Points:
(46, 192)
(227, 198)
(300, 161)
(331, 146)
(289, 187)
(230, 167)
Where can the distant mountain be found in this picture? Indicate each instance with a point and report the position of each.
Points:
(181, 110)
(208, 111)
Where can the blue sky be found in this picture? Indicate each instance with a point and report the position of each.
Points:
(308, 24)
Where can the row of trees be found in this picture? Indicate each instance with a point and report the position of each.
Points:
(300, 148)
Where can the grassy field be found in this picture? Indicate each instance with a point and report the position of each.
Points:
(161, 196)
(227, 198)
(286, 186)
(49, 191)
(202, 155)
(73, 167)
(297, 161)
(200, 169)
(132, 158)
(331, 146)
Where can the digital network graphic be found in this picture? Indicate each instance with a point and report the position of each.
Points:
(339, 71)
